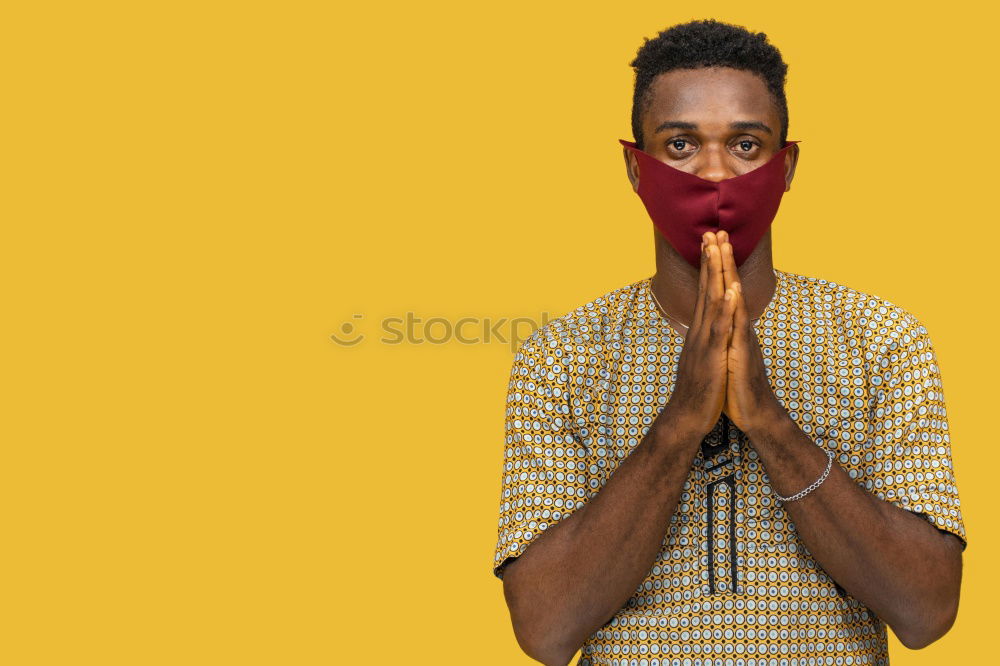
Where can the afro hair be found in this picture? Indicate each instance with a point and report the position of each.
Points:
(707, 43)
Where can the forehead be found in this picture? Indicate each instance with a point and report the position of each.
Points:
(710, 94)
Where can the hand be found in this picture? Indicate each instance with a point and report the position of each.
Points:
(750, 402)
(700, 391)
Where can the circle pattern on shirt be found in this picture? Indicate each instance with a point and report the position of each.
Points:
(855, 372)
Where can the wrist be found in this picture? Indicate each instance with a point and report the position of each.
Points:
(769, 421)
(672, 447)
(678, 426)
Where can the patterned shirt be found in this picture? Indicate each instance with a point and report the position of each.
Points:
(732, 584)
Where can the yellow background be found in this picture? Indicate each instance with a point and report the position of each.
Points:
(197, 195)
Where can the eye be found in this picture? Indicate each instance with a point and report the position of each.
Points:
(746, 145)
(680, 147)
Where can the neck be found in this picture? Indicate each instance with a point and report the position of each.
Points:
(676, 281)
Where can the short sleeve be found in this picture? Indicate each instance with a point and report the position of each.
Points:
(911, 456)
(544, 477)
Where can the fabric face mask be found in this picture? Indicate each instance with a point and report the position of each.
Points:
(684, 206)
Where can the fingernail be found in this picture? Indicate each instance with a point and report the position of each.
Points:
(729, 294)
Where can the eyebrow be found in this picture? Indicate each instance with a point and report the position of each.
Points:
(738, 125)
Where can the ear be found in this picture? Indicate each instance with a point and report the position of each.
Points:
(631, 168)
(791, 159)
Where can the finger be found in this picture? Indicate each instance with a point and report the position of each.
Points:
(715, 291)
(729, 272)
(732, 298)
(717, 316)
(740, 317)
(722, 320)
(699, 308)
(716, 285)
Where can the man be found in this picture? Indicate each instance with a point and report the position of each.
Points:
(725, 463)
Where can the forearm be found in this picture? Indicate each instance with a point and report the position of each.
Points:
(897, 564)
(582, 570)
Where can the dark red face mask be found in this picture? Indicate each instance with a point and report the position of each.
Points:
(684, 206)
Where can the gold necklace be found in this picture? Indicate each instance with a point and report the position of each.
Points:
(660, 306)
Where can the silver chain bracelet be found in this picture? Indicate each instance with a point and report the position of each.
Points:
(814, 484)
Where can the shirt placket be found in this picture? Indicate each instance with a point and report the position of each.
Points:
(720, 474)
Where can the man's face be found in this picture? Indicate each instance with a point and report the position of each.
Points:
(715, 123)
